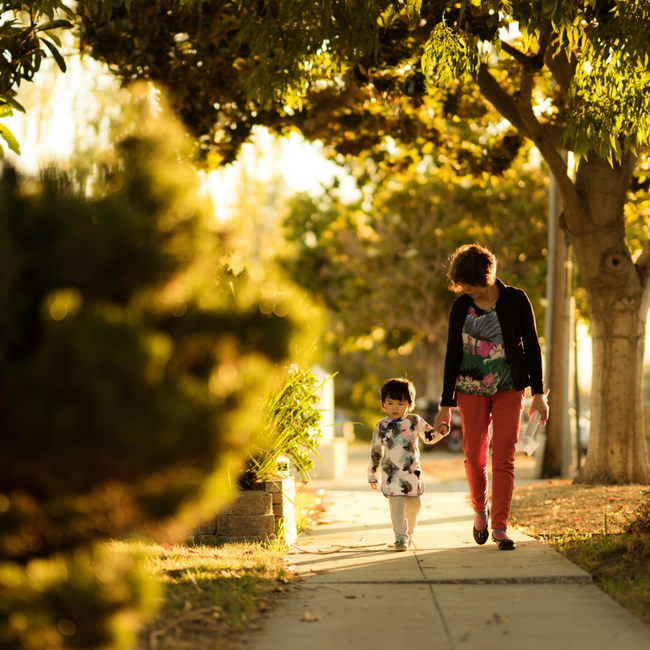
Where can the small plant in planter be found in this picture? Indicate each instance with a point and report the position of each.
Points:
(290, 433)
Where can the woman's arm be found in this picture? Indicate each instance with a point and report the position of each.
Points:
(533, 356)
(532, 350)
(454, 353)
(540, 404)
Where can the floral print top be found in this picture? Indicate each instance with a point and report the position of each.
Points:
(395, 448)
(484, 369)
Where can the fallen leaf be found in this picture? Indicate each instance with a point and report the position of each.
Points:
(306, 617)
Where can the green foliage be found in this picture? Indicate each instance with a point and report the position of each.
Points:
(617, 562)
(291, 426)
(128, 382)
(448, 56)
(28, 31)
(196, 55)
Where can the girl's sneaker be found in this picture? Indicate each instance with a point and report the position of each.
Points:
(402, 544)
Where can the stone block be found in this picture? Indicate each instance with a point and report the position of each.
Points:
(274, 487)
(246, 527)
(239, 540)
(206, 527)
(250, 502)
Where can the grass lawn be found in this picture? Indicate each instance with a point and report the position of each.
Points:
(212, 593)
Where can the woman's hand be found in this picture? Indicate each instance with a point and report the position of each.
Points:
(540, 404)
(443, 418)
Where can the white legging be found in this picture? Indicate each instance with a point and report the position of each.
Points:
(404, 513)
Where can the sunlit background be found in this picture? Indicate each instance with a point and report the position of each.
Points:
(69, 119)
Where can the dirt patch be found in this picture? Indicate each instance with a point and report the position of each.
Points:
(559, 507)
(555, 507)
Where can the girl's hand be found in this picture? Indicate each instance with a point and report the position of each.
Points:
(374, 486)
(443, 417)
(540, 404)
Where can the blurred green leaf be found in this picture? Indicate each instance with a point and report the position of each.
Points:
(10, 139)
(56, 54)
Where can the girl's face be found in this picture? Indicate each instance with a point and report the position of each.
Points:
(395, 408)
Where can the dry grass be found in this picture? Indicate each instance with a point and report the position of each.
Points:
(559, 507)
(211, 593)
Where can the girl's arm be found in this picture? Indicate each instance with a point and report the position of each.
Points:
(376, 454)
(430, 434)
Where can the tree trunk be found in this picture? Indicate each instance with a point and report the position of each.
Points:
(556, 344)
(617, 294)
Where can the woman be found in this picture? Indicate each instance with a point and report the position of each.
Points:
(492, 356)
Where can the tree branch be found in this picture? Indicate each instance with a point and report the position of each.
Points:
(562, 67)
(554, 133)
(520, 114)
(500, 99)
(536, 61)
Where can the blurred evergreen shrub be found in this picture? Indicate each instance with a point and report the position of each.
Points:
(129, 385)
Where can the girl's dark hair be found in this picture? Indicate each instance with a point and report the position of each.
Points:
(471, 264)
(398, 389)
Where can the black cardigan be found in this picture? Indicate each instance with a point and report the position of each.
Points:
(523, 353)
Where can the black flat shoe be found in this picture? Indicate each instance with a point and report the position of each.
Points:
(481, 536)
(504, 544)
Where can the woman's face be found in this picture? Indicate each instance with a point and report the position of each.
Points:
(474, 292)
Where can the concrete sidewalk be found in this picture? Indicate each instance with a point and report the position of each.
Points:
(447, 593)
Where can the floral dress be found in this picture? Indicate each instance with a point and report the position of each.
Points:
(395, 448)
(484, 369)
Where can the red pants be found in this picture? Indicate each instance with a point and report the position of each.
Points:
(477, 412)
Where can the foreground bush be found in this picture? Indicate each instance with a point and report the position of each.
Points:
(128, 383)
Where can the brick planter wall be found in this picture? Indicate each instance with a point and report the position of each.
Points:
(255, 515)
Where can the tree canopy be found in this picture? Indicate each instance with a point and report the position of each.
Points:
(381, 78)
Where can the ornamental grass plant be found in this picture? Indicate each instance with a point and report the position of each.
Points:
(291, 430)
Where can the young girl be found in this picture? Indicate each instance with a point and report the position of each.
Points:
(395, 448)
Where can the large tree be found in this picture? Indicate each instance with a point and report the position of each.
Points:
(570, 76)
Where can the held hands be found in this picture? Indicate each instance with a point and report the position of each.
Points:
(442, 422)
